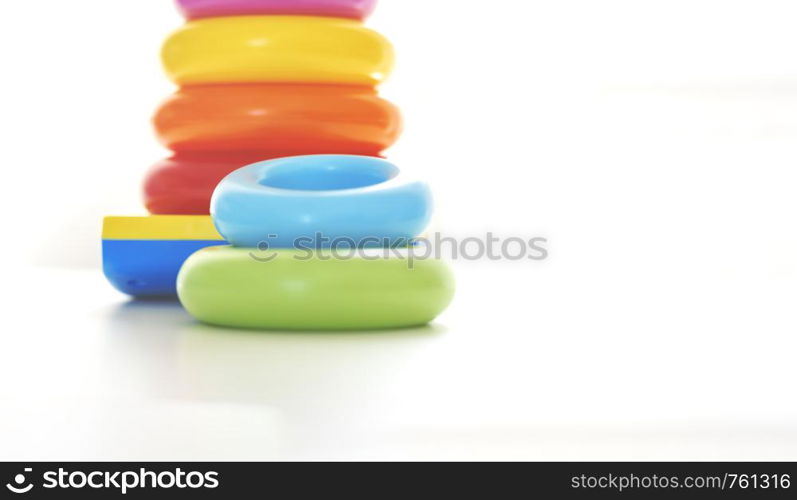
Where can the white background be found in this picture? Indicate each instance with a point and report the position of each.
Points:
(652, 142)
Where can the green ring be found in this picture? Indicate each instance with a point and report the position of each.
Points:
(300, 290)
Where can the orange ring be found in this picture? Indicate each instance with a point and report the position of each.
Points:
(267, 118)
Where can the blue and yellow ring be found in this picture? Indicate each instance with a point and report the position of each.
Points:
(142, 255)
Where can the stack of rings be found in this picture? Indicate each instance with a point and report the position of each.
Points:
(288, 220)
(277, 131)
(263, 79)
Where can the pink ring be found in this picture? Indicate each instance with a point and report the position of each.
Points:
(355, 9)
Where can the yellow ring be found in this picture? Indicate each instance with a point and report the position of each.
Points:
(300, 49)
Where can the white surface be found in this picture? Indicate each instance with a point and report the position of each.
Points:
(651, 142)
(528, 364)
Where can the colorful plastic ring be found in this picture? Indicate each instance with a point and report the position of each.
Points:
(355, 9)
(277, 49)
(184, 183)
(269, 118)
(141, 256)
(295, 291)
(322, 200)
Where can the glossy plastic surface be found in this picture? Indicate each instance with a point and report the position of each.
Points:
(147, 268)
(141, 256)
(298, 119)
(226, 286)
(355, 9)
(304, 200)
(277, 49)
(162, 227)
(183, 184)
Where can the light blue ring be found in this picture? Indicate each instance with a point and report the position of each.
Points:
(320, 201)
